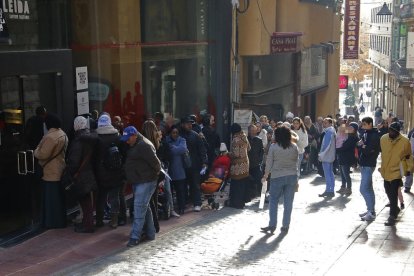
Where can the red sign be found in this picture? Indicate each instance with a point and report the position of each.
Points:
(351, 29)
(284, 43)
(343, 82)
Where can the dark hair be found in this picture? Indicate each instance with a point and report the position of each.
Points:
(206, 120)
(235, 128)
(52, 121)
(283, 137)
(41, 110)
(329, 120)
(159, 115)
(367, 120)
(302, 125)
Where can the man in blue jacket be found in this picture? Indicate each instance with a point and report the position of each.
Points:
(369, 149)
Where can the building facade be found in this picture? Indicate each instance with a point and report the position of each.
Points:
(130, 58)
(288, 56)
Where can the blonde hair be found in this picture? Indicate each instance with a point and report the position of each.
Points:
(150, 131)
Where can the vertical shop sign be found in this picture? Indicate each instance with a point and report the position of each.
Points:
(351, 29)
(343, 82)
(410, 50)
(4, 32)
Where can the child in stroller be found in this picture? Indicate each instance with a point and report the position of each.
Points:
(213, 187)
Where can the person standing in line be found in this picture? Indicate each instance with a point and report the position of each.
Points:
(369, 149)
(239, 168)
(178, 147)
(300, 129)
(327, 157)
(255, 154)
(281, 166)
(35, 128)
(142, 168)
(347, 159)
(212, 138)
(82, 162)
(110, 179)
(396, 162)
(261, 133)
(51, 153)
(199, 160)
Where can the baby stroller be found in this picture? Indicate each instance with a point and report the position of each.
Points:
(215, 188)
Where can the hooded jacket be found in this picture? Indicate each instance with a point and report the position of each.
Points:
(393, 153)
(328, 151)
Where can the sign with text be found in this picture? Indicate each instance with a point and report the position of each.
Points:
(81, 78)
(16, 9)
(343, 82)
(284, 43)
(351, 29)
(83, 102)
(4, 32)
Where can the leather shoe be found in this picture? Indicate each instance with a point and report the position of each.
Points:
(327, 194)
(390, 221)
(132, 242)
(284, 229)
(270, 229)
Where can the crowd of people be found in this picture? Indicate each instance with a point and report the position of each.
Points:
(102, 158)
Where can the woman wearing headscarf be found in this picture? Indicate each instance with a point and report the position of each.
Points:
(51, 155)
(239, 169)
(281, 166)
(81, 164)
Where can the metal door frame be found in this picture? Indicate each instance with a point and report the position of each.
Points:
(45, 61)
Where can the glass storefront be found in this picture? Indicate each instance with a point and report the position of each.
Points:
(160, 62)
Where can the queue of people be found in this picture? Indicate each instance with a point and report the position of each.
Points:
(98, 164)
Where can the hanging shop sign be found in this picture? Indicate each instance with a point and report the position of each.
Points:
(343, 82)
(284, 42)
(4, 32)
(351, 29)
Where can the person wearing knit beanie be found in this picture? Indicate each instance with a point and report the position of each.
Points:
(104, 120)
(79, 123)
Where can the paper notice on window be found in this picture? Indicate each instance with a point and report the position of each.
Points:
(83, 102)
(81, 78)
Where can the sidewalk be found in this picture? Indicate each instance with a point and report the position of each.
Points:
(376, 249)
(57, 249)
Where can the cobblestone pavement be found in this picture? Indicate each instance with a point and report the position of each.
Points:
(229, 241)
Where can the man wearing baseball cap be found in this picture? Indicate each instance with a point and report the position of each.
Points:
(142, 167)
(395, 163)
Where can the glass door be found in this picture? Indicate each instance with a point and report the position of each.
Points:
(20, 195)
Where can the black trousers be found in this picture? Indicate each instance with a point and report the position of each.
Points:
(391, 188)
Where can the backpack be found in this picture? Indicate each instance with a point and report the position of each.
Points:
(113, 159)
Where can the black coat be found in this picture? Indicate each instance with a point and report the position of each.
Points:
(106, 178)
(256, 152)
(213, 143)
(195, 145)
(346, 153)
(81, 161)
(368, 155)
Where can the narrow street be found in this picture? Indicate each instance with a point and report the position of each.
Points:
(229, 241)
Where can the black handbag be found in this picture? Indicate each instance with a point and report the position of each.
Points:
(69, 181)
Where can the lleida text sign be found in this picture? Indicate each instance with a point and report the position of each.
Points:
(284, 43)
(351, 29)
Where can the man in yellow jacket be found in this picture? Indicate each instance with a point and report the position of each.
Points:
(396, 162)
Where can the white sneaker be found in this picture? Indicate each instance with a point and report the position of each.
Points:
(368, 217)
(363, 214)
(197, 208)
(174, 214)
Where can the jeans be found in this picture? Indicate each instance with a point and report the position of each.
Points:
(391, 189)
(408, 181)
(299, 164)
(142, 210)
(345, 176)
(329, 176)
(366, 188)
(168, 193)
(285, 186)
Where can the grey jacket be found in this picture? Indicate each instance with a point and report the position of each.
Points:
(142, 164)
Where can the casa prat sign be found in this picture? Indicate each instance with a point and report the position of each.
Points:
(351, 29)
(284, 42)
(343, 82)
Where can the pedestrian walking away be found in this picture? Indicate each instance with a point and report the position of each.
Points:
(281, 165)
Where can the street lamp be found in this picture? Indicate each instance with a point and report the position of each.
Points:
(384, 10)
